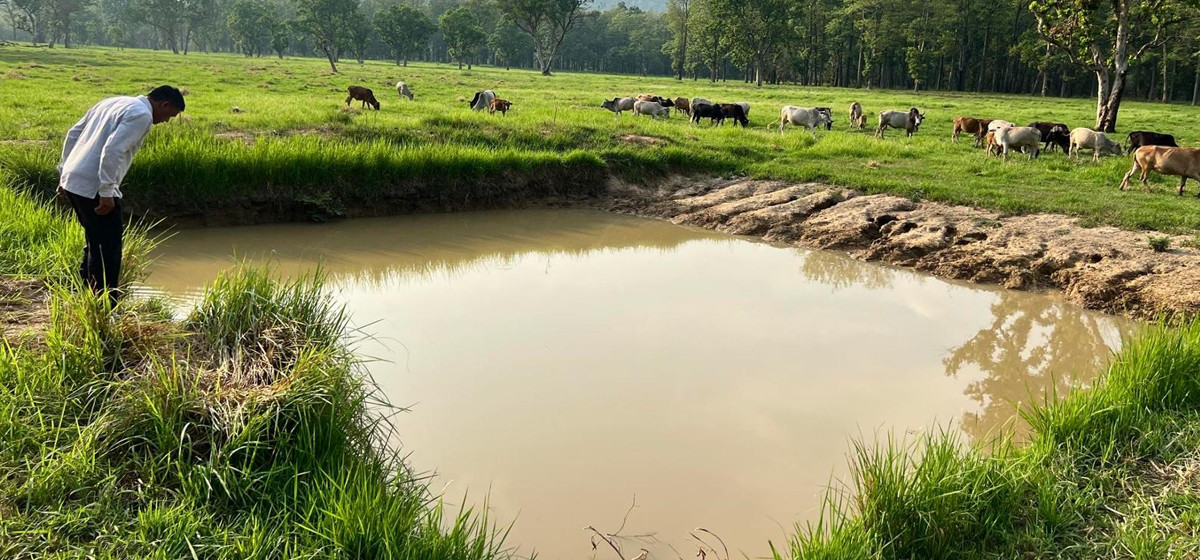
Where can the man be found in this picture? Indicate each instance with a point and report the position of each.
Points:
(95, 158)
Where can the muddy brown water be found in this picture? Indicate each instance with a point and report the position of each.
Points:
(561, 362)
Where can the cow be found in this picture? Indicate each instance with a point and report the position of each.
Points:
(681, 105)
(482, 100)
(997, 124)
(910, 121)
(1139, 138)
(1020, 137)
(803, 116)
(502, 105)
(619, 104)
(982, 133)
(700, 101)
(745, 105)
(707, 111)
(857, 116)
(1098, 142)
(988, 142)
(1181, 162)
(402, 89)
(736, 112)
(359, 93)
(970, 125)
(1053, 134)
(652, 108)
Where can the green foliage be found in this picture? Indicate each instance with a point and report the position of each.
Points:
(1159, 243)
(252, 25)
(403, 29)
(462, 33)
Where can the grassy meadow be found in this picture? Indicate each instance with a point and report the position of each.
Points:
(244, 430)
(291, 139)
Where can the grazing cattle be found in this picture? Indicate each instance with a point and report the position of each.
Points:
(829, 113)
(619, 104)
(681, 105)
(707, 111)
(803, 116)
(502, 105)
(1098, 142)
(652, 108)
(1181, 162)
(482, 100)
(745, 105)
(988, 141)
(983, 130)
(910, 121)
(1053, 134)
(402, 89)
(1023, 138)
(359, 93)
(997, 124)
(857, 117)
(700, 101)
(970, 125)
(1139, 138)
(736, 112)
(656, 99)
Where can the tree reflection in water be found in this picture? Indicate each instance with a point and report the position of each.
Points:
(1034, 345)
(840, 271)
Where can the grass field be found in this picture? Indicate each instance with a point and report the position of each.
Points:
(294, 140)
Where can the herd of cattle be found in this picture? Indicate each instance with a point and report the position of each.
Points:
(1152, 151)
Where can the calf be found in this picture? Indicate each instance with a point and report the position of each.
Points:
(482, 100)
(502, 105)
(910, 121)
(402, 89)
(1098, 142)
(652, 108)
(707, 111)
(359, 93)
(1181, 162)
(803, 116)
(988, 141)
(681, 105)
(969, 125)
(1020, 137)
(619, 104)
(857, 117)
(1139, 138)
(736, 112)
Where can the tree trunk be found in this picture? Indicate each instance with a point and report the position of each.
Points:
(1166, 84)
(983, 57)
(1196, 83)
(330, 57)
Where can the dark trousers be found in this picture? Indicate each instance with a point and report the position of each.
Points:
(101, 267)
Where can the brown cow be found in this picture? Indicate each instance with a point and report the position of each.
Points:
(359, 93)
(969, 125)
(502, 105)
(681, 105)
(1181, 162)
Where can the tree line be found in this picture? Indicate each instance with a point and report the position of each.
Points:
(1147, 49)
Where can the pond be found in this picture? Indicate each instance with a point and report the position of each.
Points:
(558, 363)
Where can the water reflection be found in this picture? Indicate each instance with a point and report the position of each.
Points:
(564, 361)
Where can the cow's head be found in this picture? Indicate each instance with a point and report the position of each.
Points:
(610, 105)
(917, 118)
(373, 102)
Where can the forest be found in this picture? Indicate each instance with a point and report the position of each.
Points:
(1143, 49)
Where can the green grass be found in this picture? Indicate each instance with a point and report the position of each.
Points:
(246, 430)
(295, 152)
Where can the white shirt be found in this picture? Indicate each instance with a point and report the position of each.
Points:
(99, 148)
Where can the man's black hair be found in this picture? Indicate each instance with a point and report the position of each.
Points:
(169, 94)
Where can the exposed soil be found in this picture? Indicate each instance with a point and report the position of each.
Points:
(1103, 268)
(24, 314)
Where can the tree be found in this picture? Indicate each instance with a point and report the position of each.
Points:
(547, 23)
(507, 42)
(358, 35)
(281, 37)
(404, 30)
(58, 15)
(31, 18)
(326, 23)
(678, 19)
(463, 34)
(1103, 38)
(250, 23)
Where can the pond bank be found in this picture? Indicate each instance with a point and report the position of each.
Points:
(1101, 268)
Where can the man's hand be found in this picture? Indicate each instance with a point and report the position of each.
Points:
(106, 205)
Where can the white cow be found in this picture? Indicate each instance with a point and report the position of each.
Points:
(1098, 142)
(909, 120)
(998, 124)
(700, 101)
(402, 89)
(618, 104)
(803, 116)
(652, 108)
(483, 99)
(1020, 137)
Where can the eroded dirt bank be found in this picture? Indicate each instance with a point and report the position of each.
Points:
(1102, 268)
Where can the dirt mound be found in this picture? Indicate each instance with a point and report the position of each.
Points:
(1101, 268)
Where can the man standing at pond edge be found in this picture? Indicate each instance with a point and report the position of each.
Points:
(96, 155)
